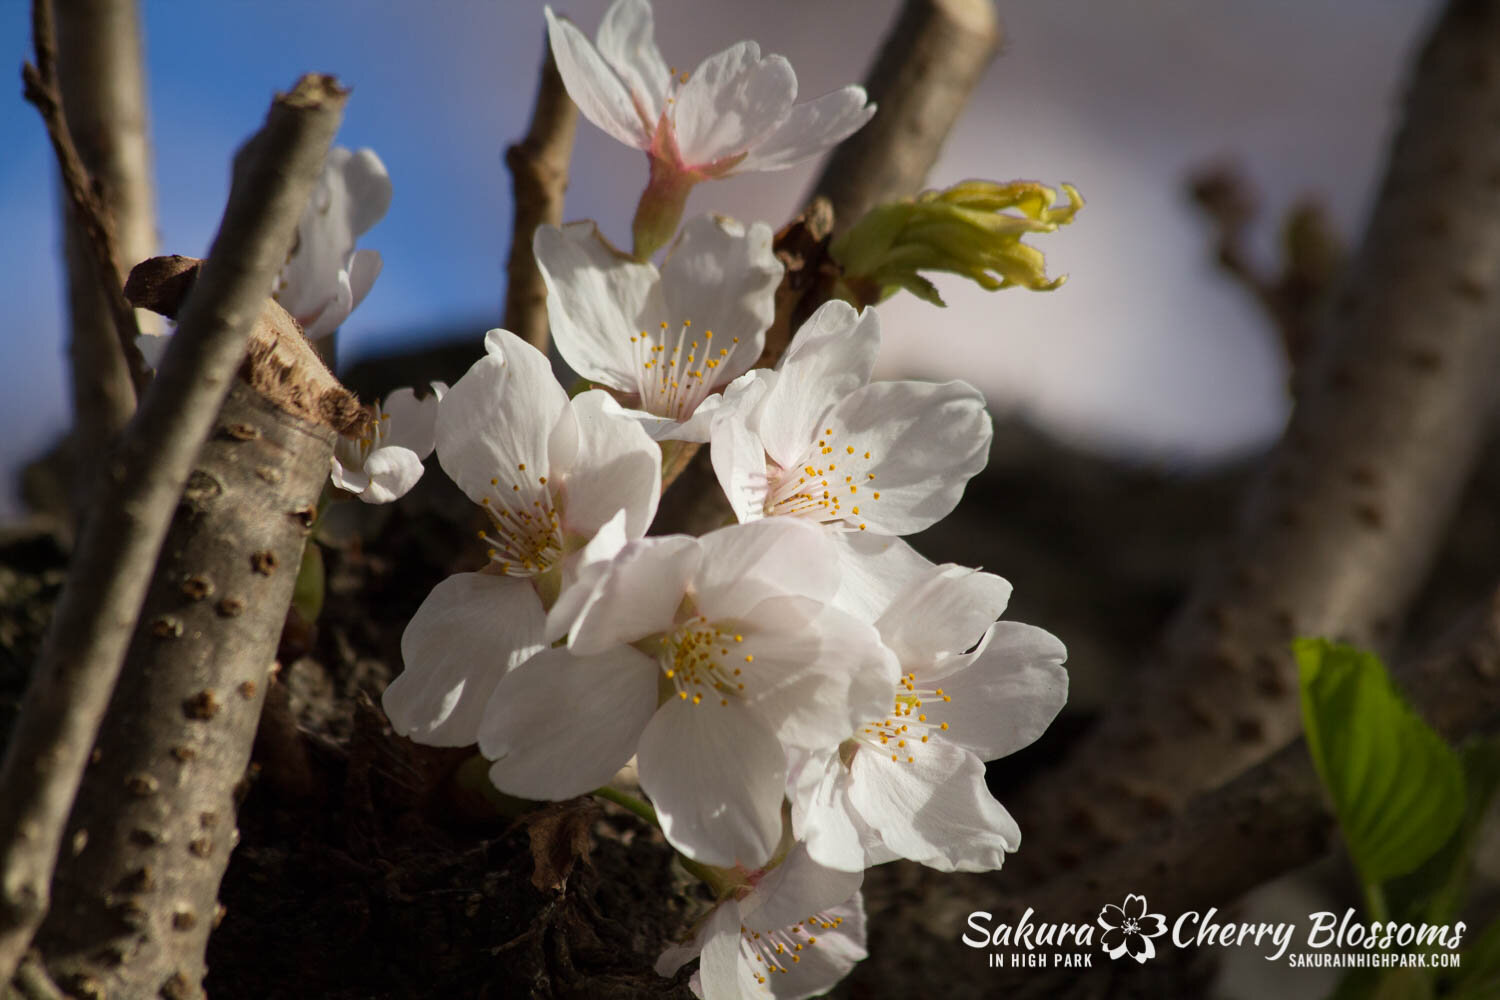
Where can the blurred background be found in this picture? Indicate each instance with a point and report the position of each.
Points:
(1148, 352)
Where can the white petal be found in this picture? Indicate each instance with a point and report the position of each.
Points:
(744, 564)
(811, 129)
(469, 631)
(945, 612)
(561, 725)
(724, 972)
(367, 188)
(1007, 692)
(596, 298)
(413, 421)
(582, 572)
(723, 277)
(793, 889)
(821, 814)
(637, 595)
(498, 417)
(731, 100)
(823, 964)
(593, 85)
(393, 471)
(876, 568)
(934, 809)
(617, 466)
(626, 42)
(831, 356)
(364, 268)
(330, 315)
(739, 461)
(348, 472)
(715, 774)
(926, 442)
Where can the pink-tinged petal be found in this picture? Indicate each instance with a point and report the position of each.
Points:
(597, 300)
(497, 418)
(745, 564)
(715, 774)
(943, 613)
(730, 101)
(739, 462)
(930, 805)
(1005, 693)
(793, 889)
(593, 85)
(924, 443)
(364, 268)
(831, 356)
(413, 421)
(467, 634)
(636, 596)
(561, 725)
(722, 276)
(393, 471)
(876, 568)
(810, 130)
(626, 41)
(616, 466)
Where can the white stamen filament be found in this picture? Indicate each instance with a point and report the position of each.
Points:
(779, 950)
(678, 370)
(525, 537)
(910, 724)
(705, 661)
(833, 485)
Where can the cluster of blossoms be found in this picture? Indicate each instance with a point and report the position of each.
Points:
(803, 695)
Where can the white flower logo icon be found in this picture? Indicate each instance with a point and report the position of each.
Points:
(1129, 928)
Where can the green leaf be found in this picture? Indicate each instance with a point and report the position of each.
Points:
(1434, 893)
(307, 593)
(1397, 788)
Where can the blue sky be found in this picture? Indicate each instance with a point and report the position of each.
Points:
(1145, 351)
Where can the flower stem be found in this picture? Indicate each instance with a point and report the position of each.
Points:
(711, 877)
(635, 805)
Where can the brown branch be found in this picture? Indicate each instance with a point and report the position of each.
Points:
(80, 659)
(539, 178)
(90, 214)
(1345, 518)
(928, 66)
(102, 88)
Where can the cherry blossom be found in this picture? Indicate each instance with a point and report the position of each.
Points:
(325, 277)
(564, 483)
(666, 340)
(789, 932)
(909, 781)
(705, 658)
(736, 112)
(386, 462)
(816, 439)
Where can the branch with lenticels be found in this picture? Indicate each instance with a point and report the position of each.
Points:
(140, 486)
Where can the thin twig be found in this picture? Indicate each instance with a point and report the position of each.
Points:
(80, 659)
(41, 89)
(927, 68)
(1344, 520)
(539, 178)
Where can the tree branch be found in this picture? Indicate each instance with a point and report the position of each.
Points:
(80, 659)
(102, 88)
(928, 66)
(539, 178)
(41, 89)
(1342, 524)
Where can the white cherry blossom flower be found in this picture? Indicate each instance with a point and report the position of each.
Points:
(791, 932)
(704, 658)
(735, 113)
(564, 484)
(666, 340)
(909, 782)
(325, 277)
(386, 462)
(816, 439)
